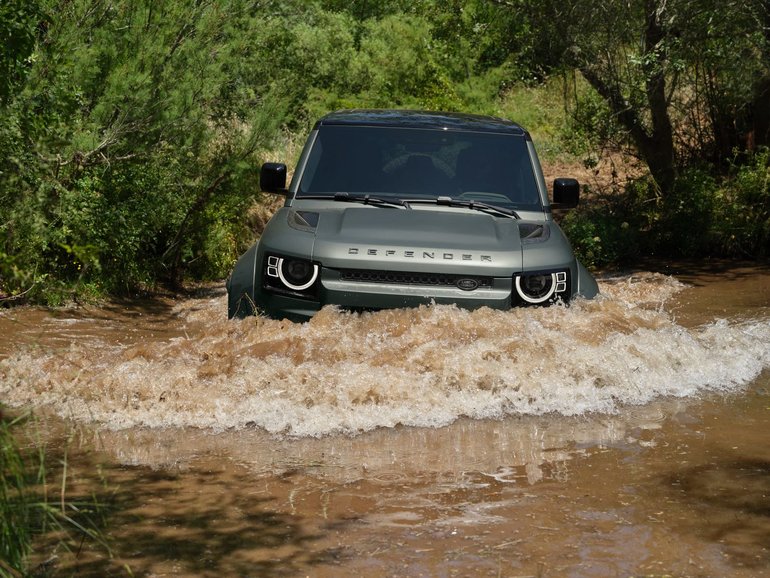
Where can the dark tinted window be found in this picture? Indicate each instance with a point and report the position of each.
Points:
(421, 163)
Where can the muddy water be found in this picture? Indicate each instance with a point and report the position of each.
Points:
(625, 436)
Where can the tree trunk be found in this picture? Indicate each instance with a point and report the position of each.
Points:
(759, 116)
(758, 129)
(655, 143)
(658, 149)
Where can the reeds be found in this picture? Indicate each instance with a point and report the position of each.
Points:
(27, 512)
(15, 510)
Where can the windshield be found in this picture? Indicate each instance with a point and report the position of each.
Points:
(421, 164)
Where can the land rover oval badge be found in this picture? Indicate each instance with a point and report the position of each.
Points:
(467, 284)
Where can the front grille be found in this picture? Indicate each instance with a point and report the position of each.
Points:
(411, 278)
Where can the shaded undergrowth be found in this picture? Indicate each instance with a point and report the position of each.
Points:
(705, 215)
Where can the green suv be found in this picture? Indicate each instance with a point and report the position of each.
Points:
(394, 208)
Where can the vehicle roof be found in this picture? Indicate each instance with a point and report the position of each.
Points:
(421, 119)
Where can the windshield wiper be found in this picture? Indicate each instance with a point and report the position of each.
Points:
(363, 199)
(470, 204)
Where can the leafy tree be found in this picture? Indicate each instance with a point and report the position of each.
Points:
(363, 10)
(682, 77)
(309, 55)
(18, 22)
(137, 126)
(726, 47)
(399, 65)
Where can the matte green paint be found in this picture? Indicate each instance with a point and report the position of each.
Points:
(419, 239)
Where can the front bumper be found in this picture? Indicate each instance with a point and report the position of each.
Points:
(375, 292)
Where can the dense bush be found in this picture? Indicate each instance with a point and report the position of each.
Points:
(610, 227)
(130, 146)
(742, 207)
(703, 215)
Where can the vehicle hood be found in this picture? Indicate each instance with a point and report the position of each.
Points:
(451, 240)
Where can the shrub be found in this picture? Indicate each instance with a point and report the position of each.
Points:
(743, 215)
(683, 224)
(589, 124)
(702, 215)
(608, 228)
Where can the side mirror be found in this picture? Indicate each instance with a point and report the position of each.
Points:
(566, 193)
(272, 178)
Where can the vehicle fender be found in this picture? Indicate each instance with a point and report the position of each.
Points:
(586, 285)
(240, 286)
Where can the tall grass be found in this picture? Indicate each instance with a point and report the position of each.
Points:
(26, 510)
(15, 510)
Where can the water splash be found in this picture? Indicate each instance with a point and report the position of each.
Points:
(349, 373)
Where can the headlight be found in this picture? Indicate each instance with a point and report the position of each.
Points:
(538, 288)
(294, 274)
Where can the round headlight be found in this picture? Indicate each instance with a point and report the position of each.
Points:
(536, 288)
(297, 274)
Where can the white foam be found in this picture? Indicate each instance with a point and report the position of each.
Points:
(350, 373)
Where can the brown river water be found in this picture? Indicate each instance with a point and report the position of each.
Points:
(624, 436)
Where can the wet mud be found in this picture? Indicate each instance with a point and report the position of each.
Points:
(625, 436)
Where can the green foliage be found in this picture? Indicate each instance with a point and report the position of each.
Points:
(18, 21)
(474, 37)
(687, 80)
(705, 214)
(590, 124)
(431, 54)
(307, 54)
(709, 214)
(566, 117)
(532, 106)
(398, 66)
(609, 228)
(722, 56)
(135, 120)
(684, 219)
(742, 202)
(131, 132)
